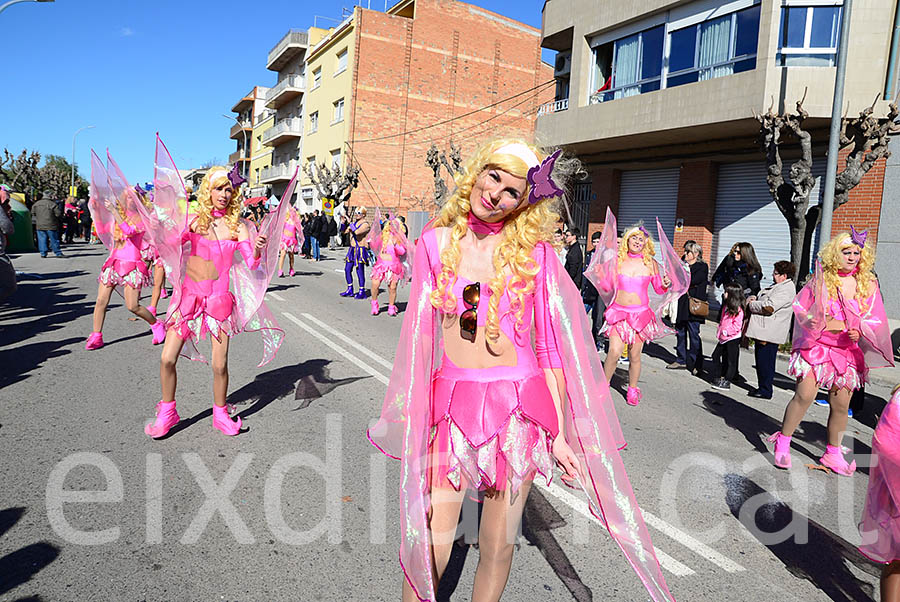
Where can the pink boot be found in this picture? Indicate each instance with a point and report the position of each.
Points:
(152, 310)
(375, 307)
(292, 272)
(163, 294)
(223, 422)
(159, 332)
(633, 397)
(94, 341)
(834, 460)
(392, 310)
(782, 449)
(166, 417)
(280, 274)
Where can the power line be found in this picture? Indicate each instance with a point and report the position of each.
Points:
(446, 121)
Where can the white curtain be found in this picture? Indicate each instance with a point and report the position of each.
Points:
(627, 68)
(715, 47)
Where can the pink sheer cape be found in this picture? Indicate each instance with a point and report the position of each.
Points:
(591, 426)
(603, 270)
(872, 323)
(880, 523)
(373, 238)
(102, 203)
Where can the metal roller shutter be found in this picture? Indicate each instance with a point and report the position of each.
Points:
(646, 195)
(745, 212)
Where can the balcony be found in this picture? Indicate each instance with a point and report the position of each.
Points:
(287, 89)
(293, 44)
(237, 128)
(280, 172)
(283, 131)
(237, 156)
(553, 107)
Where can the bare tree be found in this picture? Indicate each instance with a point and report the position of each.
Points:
(20, 172)
(436, 159)
(331, 183)
(867, 137)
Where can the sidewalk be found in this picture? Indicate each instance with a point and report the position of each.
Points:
(888, 377)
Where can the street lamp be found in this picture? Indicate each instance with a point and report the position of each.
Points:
(244, 132)
(87, 127)
(11, 2)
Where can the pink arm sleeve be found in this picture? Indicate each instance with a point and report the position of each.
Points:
(400, 250)
(656, 281)
(247, 252)
(544, 342)
(127, 229)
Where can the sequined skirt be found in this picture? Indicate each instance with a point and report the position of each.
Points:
(383, 269)
(632, 323)
(834, 360)
(291, 245)
(125, 273)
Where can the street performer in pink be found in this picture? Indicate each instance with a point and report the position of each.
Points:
(291, 240)
(395, 259)
(840, 333)
(623, 272)
(474, 404)
(220, 271)
(119, 225)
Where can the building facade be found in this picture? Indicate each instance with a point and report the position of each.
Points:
(250, 112)
(658, 100)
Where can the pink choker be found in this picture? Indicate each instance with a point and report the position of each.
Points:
(218, 212)
(635, 255)
(479, 226)
(850, 273)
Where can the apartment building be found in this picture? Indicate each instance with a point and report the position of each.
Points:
(260, 154)
(250, 111)
(658, 97)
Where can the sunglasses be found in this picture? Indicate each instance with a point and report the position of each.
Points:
(468, 320)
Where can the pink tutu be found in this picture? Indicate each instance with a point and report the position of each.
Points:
(492, 432)
(880, 523)
(291, 245)
(383, 268)
(198, 315)
(834, 359)
(116, 272)
(632, 322)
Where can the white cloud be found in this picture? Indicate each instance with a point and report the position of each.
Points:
(126, 31)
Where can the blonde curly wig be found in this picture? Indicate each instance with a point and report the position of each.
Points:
(205, 206)
(649, 250)
(524, 229)
(831, 264)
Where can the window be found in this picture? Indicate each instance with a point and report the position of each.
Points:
(336, 159)
(338, 111)
(259, 142)
(313, 122)
(311, 160)
(341, 61)
(317, 78)
(713, 48)
(629, 66)
(809, 36)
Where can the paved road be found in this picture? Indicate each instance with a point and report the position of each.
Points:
(301, 507)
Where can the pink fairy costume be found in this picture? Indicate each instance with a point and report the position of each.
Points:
(125, 265)
(641, 321)
(394, 260)
(292, 235)
(493, 428)
(880, 523)
(834, 359)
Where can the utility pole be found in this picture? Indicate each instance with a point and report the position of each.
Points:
(72, 181)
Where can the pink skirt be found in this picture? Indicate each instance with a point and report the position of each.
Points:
(116, 272)
(291, 245)
(493, 433)
(834, 360)
(383, 268)
(880, 523)
(198, 315)
(632, 323)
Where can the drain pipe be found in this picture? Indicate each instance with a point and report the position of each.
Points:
(892, 61)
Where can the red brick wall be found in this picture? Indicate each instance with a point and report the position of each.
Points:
(445, 63)
(605, 185)
(863, 210)
(697, 185)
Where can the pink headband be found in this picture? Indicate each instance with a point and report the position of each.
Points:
(517, 149)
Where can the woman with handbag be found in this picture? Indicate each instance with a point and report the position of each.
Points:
(770, 321)
(692, 311)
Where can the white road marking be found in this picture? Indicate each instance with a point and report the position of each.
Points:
(696, 546)
(328, 342)
(349, 341)
(275, 296)
(581, 506)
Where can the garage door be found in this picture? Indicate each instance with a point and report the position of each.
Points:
(745, 212)
(648, 194)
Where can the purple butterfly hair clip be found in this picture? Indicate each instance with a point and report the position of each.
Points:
(235, 177)
(859, 238)
(644, 231)
(540, 181)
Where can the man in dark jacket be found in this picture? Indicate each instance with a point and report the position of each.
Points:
(323, 233)
(46, 214)
(574, 257)
(315, 230)
(593, 304)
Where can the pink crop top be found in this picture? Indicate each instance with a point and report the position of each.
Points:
(545, 353)
(290, 230)
(835, 308)
(221, 254)
(639, 285)
(131, 244)
(394, 251)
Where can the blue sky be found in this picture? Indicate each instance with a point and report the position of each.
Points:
(135, 67)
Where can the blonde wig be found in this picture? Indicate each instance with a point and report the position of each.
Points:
(831, 264)
(205, 206)
(649, 250)
(387, 233)
(524, 229)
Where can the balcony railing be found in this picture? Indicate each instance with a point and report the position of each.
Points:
(553, 107)
(286, 128)
(278, 172)
(236, 128)
(237, 156)
(286, 89)
(279, 55)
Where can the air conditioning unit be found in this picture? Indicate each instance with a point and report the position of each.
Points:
(563, 64)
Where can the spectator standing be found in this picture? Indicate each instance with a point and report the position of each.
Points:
(770, 320)
(593, 304)
(731, 325)
(315, 230)
(689, 347)
(574, 262)
(46, 214)
(71, 218)
(306, 220)
(333, 240)
(740, 266)
(7, 272)
(323, 233)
